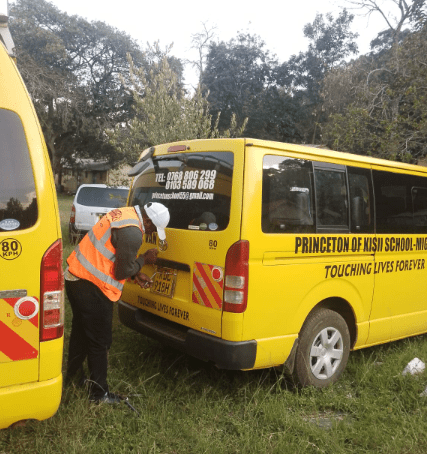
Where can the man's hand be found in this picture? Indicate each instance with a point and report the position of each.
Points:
(143, 280)
(150, 256)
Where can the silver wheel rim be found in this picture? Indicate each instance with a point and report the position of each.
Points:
(326, 353)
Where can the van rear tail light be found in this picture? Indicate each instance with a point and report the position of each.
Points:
(52, 294)
(73, 215)
(236, 277)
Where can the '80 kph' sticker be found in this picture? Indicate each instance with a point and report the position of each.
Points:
(10, 249)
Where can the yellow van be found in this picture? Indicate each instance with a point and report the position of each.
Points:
(31, 281)
(281, 254)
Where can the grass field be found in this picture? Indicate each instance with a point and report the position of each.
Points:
(187, 406)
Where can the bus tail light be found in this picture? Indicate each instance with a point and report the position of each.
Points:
(236, 277)
(52, 294)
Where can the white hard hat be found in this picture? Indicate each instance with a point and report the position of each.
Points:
(159, 216)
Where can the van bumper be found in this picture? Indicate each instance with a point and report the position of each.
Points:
(38, 400)
(225, 354)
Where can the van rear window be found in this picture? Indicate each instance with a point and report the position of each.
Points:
(18, 201)
(196, 188)
(102, 197)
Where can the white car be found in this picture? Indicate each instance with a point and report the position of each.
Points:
(90, 203)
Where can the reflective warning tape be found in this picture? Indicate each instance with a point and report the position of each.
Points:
(19, 338)
(207, 285)
(12, 301)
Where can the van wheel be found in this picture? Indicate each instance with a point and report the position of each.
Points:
(323, 349)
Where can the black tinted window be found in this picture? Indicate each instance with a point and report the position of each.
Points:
(361, 200)
(102, 197)
(18, 202)
(331, 198)
(393, 202)
(287, 195)
(419, 200)
(196, 188)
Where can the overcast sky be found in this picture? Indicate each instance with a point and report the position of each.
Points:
(278, 23)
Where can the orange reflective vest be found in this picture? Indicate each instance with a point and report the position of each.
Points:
(93, 259)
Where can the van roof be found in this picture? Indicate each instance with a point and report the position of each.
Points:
(313, 151)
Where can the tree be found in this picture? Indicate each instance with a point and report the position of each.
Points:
(72, 69)
(419, 15)
(164, 113)
(241, 78)
(386, 111)
(407, 11)
(331, 42)
(201, 42)
(236, 73)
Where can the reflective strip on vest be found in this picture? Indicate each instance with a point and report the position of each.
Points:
(98, 274)
(100, 244)
(118, 224)
(93, 259)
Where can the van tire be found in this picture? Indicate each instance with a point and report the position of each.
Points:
(319, 362)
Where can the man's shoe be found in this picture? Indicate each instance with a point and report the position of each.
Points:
(107, 398)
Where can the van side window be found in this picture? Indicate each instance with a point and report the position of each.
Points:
(393, 202)
(419, 201)
(287, 195)
(331, 198)
(361, 200)
(18, 202)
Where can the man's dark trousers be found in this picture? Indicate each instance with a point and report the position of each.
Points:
(91, 333)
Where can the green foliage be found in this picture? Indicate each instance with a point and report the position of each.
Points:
(350, 133)
(241, 78)
(72, 70)
(235, 73)
(381, 110)
(331, 42)
(83, 85)
(165, 113)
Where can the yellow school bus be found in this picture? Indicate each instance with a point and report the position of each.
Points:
(31, 282)
(281, 254)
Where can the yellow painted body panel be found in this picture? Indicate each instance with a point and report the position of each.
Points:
(285, 287)
(400, 307)
(51, 359)
(29, 388)
(18, 372)
(186, 247)
(385, 299)
(39, 400)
